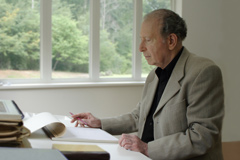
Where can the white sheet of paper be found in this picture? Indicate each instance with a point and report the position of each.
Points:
(87, 135)
(40, 120)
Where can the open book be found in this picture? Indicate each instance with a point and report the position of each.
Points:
(56, 129)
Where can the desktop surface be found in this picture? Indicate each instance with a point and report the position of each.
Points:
(39, 139)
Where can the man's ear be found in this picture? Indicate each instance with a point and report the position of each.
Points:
(172, 41)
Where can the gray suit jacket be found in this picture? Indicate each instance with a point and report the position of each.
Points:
(188, 119)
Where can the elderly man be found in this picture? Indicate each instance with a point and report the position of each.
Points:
(181, 110)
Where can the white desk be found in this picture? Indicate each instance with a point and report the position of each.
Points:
(39, 139)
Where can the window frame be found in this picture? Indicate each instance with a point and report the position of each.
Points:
(94, 49)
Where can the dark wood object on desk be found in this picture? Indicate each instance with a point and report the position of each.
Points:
(82, 152)
(231, 150)
(86, 155)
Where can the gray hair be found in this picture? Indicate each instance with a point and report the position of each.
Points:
(169, 22)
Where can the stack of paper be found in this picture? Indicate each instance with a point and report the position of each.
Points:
(12, 130)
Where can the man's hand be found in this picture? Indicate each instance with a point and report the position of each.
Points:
(133, 143)
(86, 119)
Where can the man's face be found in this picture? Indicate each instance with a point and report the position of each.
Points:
(153, 46)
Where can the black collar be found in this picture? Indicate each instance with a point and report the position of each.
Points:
(167, 71)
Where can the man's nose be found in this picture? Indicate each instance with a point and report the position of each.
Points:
(142, 47)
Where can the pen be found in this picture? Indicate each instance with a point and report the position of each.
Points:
(79, 119)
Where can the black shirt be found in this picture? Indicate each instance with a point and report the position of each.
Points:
(163, 76)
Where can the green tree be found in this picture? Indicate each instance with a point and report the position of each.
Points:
(110, 61)
(69, 45)
(70, 36)
(19, 34)
(108, 52)
(116, 19)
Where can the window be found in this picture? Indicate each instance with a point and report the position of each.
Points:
(19, 39)
(73, 40)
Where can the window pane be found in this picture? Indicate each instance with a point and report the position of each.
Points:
(70, 39)
(19, 39)
(116, 34)
(148, 6)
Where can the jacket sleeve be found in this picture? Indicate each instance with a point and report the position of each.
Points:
(126, 123)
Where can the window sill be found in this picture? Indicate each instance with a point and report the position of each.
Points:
(69, 85)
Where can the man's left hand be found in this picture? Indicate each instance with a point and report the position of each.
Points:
(133, 143)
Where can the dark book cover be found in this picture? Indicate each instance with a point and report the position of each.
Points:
(82, 152)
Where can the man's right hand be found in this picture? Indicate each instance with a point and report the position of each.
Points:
(87, 119)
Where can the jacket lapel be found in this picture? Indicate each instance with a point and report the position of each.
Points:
(173, 85)
(150, 95)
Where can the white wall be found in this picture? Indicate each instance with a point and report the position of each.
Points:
(101, 101)
(213, 31)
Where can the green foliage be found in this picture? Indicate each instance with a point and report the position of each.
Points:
(69, 45)
(117, 21)
(19, 34)
(110, 60)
